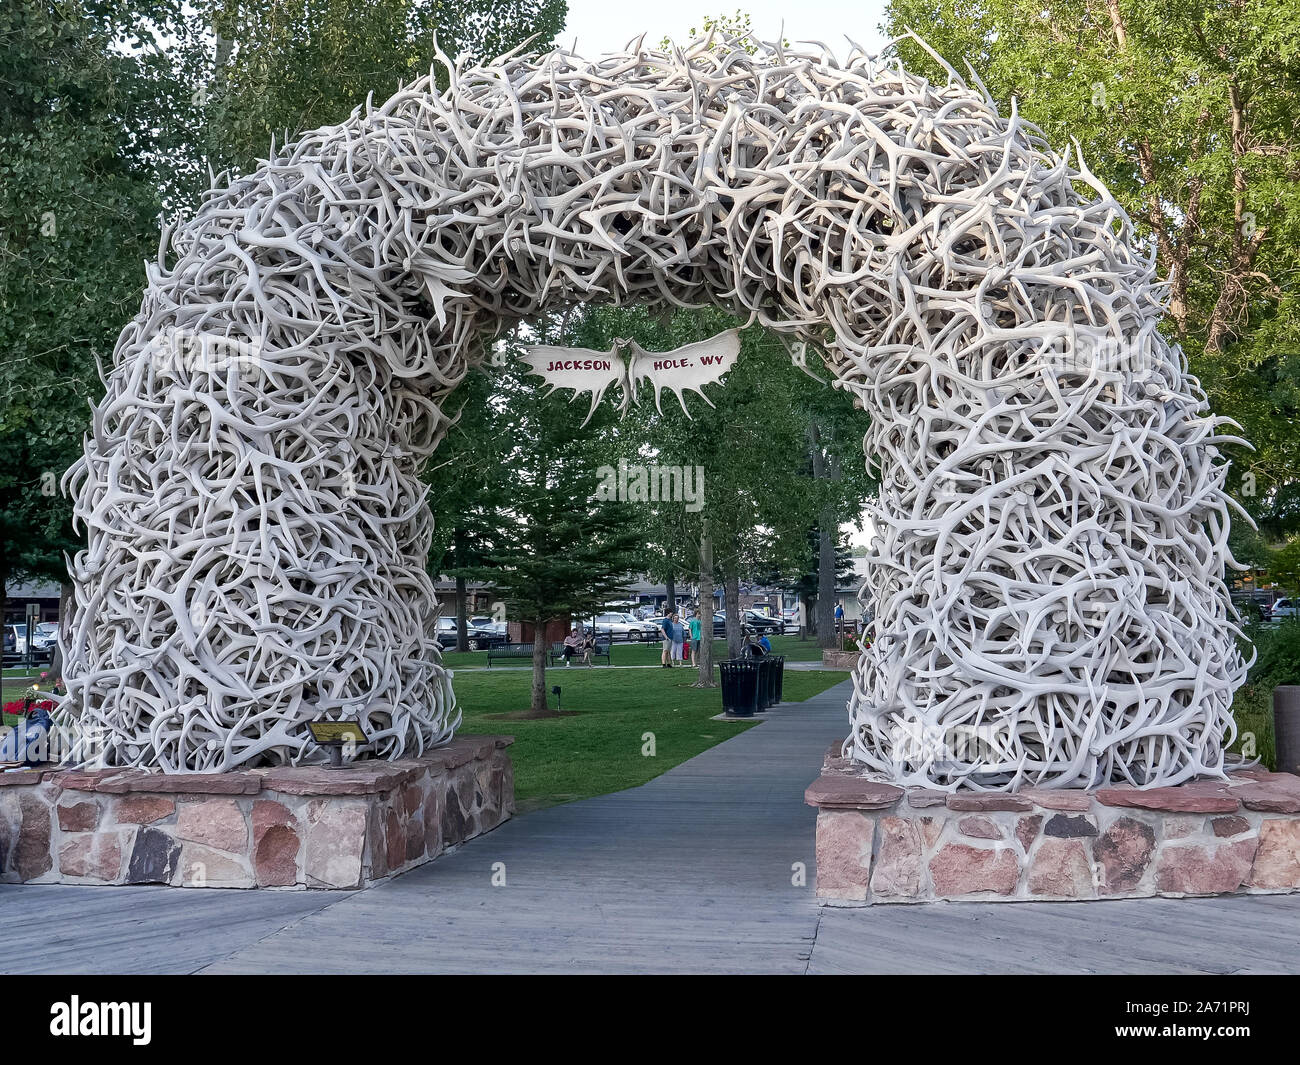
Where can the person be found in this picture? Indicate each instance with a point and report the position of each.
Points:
(679, 634)
(695, 637)
(752, 648)
(765, 643)
(572, 643)
(666, 656)
(588, 647)
(839, 612)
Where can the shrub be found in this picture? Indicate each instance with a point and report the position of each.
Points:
(1277, 661)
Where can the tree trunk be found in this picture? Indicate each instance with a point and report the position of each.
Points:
(537, 706)
(731, 602)
(462, 629)
(65, 618)
(826, 635)
(462, 633)
(705, 663)
(670, 586)
(807, 625)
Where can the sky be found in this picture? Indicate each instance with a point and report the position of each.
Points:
(605, 26)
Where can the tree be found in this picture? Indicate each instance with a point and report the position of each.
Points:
(753, 447)
(1285, 567)
(295, 65)
(1187, 111)
(801, 575)
(469, 481)
(78, 214)
(110, 114)
(559, 550)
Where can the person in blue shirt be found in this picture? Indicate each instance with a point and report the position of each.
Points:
(667, 655)
(765, 643)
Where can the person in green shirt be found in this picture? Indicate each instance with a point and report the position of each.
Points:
(695, 636)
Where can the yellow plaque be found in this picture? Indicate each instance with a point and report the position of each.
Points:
(337, 732)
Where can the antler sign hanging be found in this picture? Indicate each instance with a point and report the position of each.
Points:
(1048, 574)
(685, 369)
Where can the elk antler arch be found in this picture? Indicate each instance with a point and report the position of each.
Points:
(1052, 521)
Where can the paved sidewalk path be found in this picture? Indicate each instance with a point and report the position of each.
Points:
(688, 873)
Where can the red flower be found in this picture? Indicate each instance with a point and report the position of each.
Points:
(19, 709)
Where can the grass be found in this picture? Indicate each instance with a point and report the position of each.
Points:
(647, 654)
(600, 748)
(537, 752)
(1252, 707)
(597, 747)
(15, 682)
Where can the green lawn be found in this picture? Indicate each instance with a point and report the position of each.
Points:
(599, 749)
(647, 654)
(1252, 708)
(15, 682)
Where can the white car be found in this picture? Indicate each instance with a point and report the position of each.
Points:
(15, 639)
(46, 636)
(1285, 608)
(622, 626)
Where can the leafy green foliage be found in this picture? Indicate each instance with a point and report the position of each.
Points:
(110, 115)
(1187, 111)
(78, 215)
(524, 474)
(297, 65)
(759, 493)
(1277, 650)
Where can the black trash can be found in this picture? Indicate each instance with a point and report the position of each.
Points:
(778, 677)
(739, 687)
(764, 663)
(1286, 727)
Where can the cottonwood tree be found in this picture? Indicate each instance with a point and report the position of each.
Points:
(110, 116)
(1187, 111)
(753, 446)
(78, 216)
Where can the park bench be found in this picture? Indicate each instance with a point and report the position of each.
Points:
(601, 651)
(510, 650)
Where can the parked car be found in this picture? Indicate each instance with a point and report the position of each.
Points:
(1284, 608)
(479, 639)
(488, 625)
(760, 623)
(769, 623)
(618, 626)
(16, 639)
(45, 636)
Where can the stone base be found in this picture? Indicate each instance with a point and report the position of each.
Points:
(840, 659)
(285, 827)
(881, 843)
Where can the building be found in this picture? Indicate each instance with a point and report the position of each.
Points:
(45, 594)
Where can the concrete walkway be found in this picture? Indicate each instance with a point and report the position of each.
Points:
(691, 872)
